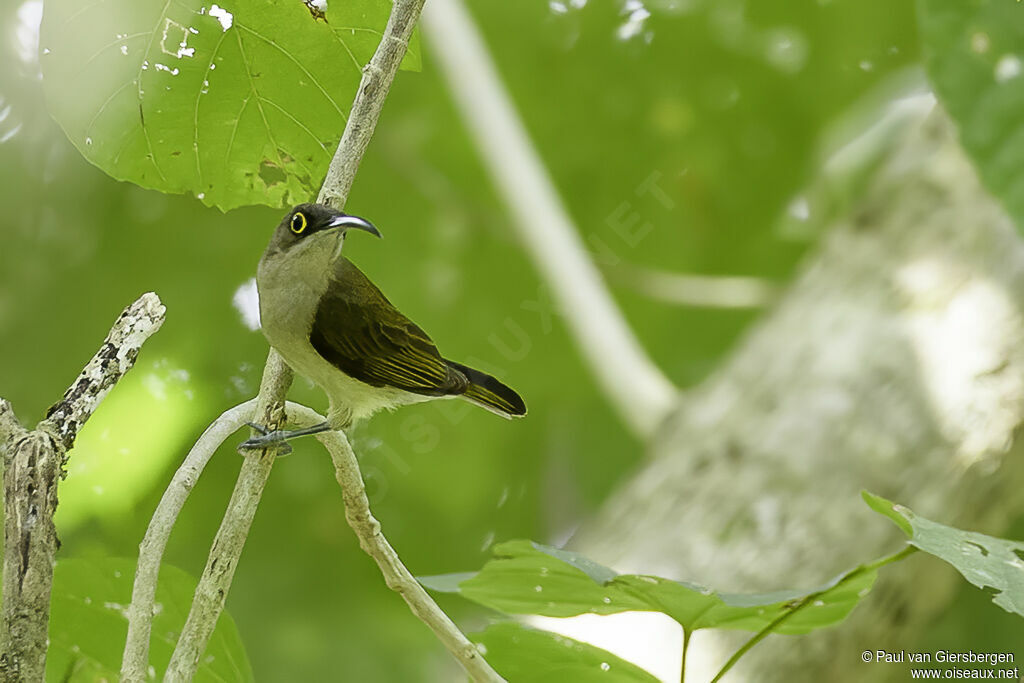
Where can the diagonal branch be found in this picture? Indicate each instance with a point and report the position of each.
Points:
(117, 355)
(234, 528)
(639, 391)
(366, 108)
(151, 550)
(33, 466)
(357, 512)
(277, 376)
(396, 575)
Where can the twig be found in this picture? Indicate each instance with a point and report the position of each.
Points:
(33, 465)
(373, 89)
(639, 391)
(227, 546)
(117, 355)
(151, 550)
(396, 576)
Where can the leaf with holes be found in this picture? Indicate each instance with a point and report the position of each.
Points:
(995, 565)
(530, 578)
(239, 105)
(519, 653)
(88, 624)
(973, 52)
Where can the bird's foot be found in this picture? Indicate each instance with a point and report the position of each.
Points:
(267, 439)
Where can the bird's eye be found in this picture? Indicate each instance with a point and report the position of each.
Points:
(298, 222)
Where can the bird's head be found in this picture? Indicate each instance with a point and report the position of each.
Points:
(309, 225)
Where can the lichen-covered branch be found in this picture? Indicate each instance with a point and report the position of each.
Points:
(33, 466)
(10, 428)
(117, 355)
(277, 376)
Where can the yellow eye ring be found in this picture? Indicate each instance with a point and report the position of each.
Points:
(298, 222)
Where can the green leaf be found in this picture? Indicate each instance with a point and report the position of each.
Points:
(525, 578)
(695, 607)
(88, 623)
(973, 51)
(238, 105)
(995, 565)
(524, 654)
(529, 578)
(887, 508)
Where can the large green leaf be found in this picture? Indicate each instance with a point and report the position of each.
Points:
(88, 624)
(973, 51)
(524, 654)
(238, 105)
(995, 565)
(529, 578)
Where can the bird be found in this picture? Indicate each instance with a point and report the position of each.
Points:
(331, 324)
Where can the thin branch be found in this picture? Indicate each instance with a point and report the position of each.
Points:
(151, 550)
(277, 376)
(639, 391)
(373, 89)
(33, 466)
(396, 576)
(117, 355)
(234, 529)
(372, 540)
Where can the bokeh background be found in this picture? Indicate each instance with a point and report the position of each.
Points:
(724, 102)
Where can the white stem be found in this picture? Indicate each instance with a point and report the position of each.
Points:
(151, 551)
(373, 89)
(357, 512)
(215, 581)
(634, 385)
(277, 376)
(396, 575)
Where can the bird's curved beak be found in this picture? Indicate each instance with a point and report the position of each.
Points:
(347, 222)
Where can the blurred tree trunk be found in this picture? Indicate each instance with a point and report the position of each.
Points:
(894, 362)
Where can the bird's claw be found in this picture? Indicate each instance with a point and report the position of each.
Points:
(258, 428)
(267, 439)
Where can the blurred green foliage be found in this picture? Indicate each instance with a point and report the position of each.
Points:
(972, 50)
(721, 103)
(88, 624)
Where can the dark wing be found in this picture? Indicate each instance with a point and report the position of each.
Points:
(358, 331)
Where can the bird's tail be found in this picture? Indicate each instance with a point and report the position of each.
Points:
(489, 393)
